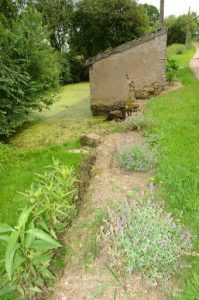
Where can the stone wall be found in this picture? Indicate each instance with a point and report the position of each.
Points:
(111, 73)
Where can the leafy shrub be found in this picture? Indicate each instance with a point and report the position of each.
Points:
(136, 158)
(172, 69)
(30, 244)
(149, 240)
(29, 69)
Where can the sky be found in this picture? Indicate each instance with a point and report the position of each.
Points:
(175, 7)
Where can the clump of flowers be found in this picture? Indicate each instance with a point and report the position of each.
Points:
(136, 158)
(148, 240)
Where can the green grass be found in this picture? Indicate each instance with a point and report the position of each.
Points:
(176, 127)
(17, 174)
(67, 119)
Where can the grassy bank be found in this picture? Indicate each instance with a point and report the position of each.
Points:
(175, 130)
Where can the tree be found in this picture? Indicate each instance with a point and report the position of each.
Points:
(57, 16)
(152, 13)
(177, 27)
(101, 24)
(28, 68)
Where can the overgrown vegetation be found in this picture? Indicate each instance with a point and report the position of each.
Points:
(136, 158)
(51, 205)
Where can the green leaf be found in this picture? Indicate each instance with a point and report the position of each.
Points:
(41, 259)
(4, 238)
(24, 216)
(42, 246)
(35, 289)
(28, 237)
(48, 274)
(10, 252)
(41, 235)
(5, 228)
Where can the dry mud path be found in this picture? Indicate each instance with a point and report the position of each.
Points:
(194, 62)
(108, 186)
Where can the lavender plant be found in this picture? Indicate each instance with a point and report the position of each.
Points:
(148, 240)
(136, 158)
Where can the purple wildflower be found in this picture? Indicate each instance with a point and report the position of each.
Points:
(152, 186)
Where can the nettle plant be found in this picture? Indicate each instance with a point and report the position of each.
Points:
(136, 158)
(54, 194)
(31, 243)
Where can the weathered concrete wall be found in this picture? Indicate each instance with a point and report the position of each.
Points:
(141, 61)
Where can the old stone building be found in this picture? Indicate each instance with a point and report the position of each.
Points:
(140, 63)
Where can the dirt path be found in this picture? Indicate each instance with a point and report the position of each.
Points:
(194, 63)
(86, 276)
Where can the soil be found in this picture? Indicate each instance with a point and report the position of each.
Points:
(108, 186)
(194, 63)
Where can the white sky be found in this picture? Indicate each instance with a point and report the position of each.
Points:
(175, 7)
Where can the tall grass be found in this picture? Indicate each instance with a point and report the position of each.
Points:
(176, 126)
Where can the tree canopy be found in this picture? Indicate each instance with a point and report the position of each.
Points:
(101, 24)
(177, 27)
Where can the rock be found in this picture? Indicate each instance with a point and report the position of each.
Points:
(149, 89)
(116, 114)
(135, 107)
(91, 139)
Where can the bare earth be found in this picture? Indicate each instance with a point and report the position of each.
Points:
(194, 63)
(109, 185)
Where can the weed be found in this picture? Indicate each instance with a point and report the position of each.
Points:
(136, 158)
(172, 69)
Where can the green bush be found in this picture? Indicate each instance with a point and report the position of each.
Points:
(172, 69)
(136, 158)
(29, 69)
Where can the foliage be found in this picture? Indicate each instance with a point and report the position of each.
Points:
(53, 195)
(181, 49)
(28, 69)
(30, 243)
(149, 240)
(98, 25)
(27, 255)
(57, 16)
(136, 158)
(176, 125)
(172, 69)
(153, 14)
(177, 27)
